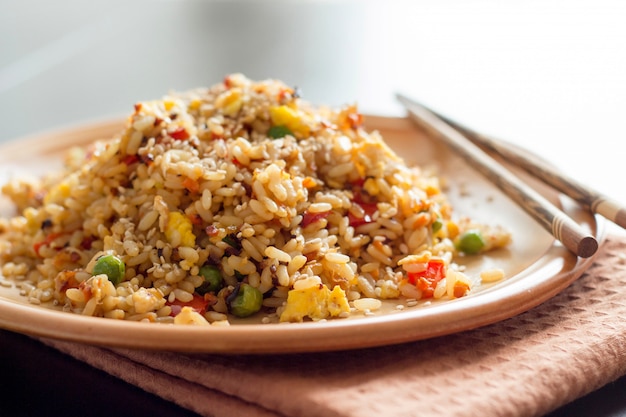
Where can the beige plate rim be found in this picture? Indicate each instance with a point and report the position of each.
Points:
(541, 279)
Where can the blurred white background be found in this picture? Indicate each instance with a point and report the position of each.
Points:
(548, 75)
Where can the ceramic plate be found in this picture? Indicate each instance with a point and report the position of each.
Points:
(536, 266)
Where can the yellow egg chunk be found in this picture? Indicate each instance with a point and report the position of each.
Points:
(58, 193)
(188, 316)
(317, 302)
(291, 118)
(179, 230)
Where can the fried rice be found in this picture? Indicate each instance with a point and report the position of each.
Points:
(237, 200)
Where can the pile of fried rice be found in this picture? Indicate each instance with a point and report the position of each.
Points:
(236, 200)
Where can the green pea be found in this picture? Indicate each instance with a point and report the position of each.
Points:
(437, 224)
(470, 242)
(277, 132)
(112, 266)
(213, 281)
(247, 301)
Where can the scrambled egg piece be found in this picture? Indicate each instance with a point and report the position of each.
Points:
(179, 230)
(58, 193)
(188, 316)
(316, 302)
(293, 119)
(147, 299)
(230, 101)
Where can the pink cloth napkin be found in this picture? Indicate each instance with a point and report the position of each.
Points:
(524, 366)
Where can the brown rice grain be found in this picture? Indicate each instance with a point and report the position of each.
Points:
(337, 257)
(251, 249)
(492, 275)
(279, 255)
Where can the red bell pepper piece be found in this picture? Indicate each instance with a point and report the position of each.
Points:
(198, 304)
(426, 280)
(363, 200)
(308, 218)
(179, 134)
(46, 242)
(368, 212)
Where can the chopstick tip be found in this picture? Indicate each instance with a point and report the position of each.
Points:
(587, 247)
(402, 98)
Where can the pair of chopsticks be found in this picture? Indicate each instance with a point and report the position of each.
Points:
(474, 147)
